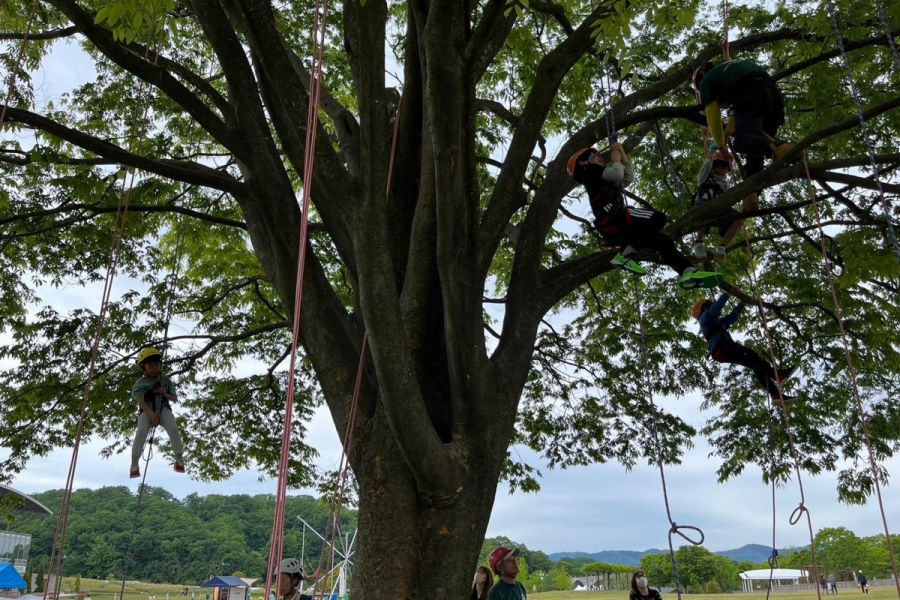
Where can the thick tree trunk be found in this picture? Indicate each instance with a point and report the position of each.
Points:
(406, 549)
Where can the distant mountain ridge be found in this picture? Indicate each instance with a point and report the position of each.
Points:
(756, 553)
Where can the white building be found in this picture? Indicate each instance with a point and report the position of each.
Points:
(759, 578)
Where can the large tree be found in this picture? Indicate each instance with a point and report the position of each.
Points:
(491, 312)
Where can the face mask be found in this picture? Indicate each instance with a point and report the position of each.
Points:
(641, 582)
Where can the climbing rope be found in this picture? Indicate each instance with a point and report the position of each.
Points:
(851, 369)
(171, 283)
(319, 29)
(54, 568)
(773, 557)
(674, 528)
(611, 133)
(863, 125)
(801, 509)
(664, 152)
(20, 57)
(887, 33)
(347, 445)
(726, 45)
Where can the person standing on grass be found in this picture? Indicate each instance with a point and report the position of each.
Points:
(640, 588)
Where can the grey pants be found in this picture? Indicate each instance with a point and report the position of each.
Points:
(167, 420)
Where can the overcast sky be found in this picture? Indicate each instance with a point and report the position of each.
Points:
(594, 508)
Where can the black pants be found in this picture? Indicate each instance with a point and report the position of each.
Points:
(729, 351)
(641, 228)
(758, 113)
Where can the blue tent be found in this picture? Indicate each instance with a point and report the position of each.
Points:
(10, 578)
(225, 581)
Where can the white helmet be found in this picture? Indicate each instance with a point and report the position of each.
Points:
(292, 566)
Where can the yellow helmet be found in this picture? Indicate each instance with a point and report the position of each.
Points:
(146, 353)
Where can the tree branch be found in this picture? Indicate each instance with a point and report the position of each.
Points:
(52, 34)
(149, 72)
(179, 170)
(99, 210)
(879, 39)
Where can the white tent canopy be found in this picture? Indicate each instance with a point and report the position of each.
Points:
(779, 577)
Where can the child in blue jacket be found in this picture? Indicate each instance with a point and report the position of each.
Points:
(723, 349)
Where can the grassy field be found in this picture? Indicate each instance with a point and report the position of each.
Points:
(879, 593)
(102, 590)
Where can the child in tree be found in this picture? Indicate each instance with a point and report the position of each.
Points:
(154, 394)
(723, 349)
(630, 228)
(712, 180)
(758, 106)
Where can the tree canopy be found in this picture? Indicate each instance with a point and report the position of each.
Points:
(491, 312)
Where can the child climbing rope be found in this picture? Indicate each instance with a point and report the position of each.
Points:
(712, 180)
(758, 106)
(630, 228)
(154, 392)
(723, 349)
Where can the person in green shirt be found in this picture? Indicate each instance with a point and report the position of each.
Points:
(505, 563)
(154, 393)
(757, 103)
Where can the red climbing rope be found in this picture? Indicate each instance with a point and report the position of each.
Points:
(312, 120)
(851, 369)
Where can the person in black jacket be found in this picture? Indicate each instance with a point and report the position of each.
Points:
(723, 349)
(640, 588)
(629, 228)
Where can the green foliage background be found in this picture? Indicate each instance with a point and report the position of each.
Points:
(176, 541)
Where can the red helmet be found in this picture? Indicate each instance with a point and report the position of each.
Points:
(500, 554)
(579, 157)
(699, 307)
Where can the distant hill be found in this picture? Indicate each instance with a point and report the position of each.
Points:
(756, 553)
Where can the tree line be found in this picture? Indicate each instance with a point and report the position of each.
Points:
(839, 552)
(175, 541)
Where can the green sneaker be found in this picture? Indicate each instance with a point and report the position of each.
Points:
(700, 279)
(628, 263)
